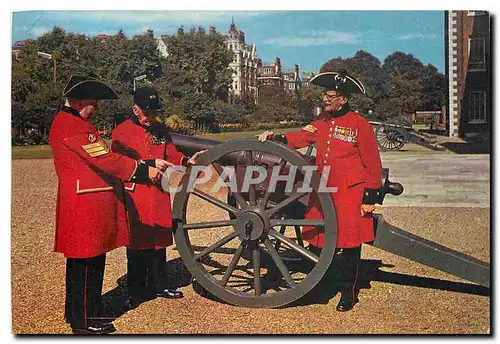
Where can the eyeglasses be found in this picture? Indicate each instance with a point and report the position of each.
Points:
(331, 96)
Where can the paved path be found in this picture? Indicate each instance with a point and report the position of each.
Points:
(433, 180)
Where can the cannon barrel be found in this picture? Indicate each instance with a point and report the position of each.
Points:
(190, 145)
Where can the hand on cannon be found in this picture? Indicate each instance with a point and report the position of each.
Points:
(266, 135)
(154, 175)
(162, 165)
(194, 157)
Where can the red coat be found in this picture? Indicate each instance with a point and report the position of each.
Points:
(347, 144)
(148, 206)
(90, 214)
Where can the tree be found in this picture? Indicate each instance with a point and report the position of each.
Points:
(368, 69)
(199, 62)
(308, 99)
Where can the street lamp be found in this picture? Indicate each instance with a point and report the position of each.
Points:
(139, 78)
(53, 58)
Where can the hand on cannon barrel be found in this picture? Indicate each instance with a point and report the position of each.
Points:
(194, 157)
(266, 135)
(162, 165)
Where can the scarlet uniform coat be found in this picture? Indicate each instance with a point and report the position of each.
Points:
(346, 144)
(148, 206)
(90, 214)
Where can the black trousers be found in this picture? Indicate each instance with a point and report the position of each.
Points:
(145, 273)
(84, 277)
(344, 270)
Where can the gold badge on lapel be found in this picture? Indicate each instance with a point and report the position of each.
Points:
(91, 138)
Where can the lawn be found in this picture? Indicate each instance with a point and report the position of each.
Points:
(44, 152)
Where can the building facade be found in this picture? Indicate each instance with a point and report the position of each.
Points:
(468, 71)
(244, 65)
(291, 80)
(272, 79)
(306, 77)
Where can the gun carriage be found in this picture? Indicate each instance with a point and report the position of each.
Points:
(394, 133)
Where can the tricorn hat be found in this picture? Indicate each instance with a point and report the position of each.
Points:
(340, 81)
(85, 87)
(147, 98)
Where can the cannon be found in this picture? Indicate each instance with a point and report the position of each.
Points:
(255, 256)
(394, 133)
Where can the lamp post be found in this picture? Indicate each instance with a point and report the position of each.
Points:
(139, 78)
(53, 58)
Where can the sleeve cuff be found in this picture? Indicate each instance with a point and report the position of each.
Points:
(141, 175)
(280, 138)
(150, 162)
(134, 171)
(371, 196)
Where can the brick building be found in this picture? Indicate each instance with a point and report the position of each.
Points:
(468, 71)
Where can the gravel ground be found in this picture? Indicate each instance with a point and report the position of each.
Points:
(404, 296)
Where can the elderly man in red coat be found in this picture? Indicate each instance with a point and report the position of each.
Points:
(345, 142)
(148, 206)
(90, 214)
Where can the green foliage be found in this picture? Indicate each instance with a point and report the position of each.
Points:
(194, 80)
(276, 107)
(199, 62)
(401, 85)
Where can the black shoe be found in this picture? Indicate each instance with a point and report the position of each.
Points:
(96, 329)
(170, 294)
(131, 304)
(346, 302)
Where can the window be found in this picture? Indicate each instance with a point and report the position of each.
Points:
(477, 107)
(477, 53)
(477, 13)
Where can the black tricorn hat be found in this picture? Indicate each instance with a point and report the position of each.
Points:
(147, 98)
(85, 87)
(340, 81)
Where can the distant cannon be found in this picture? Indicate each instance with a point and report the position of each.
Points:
(394, 133)
(261, 227)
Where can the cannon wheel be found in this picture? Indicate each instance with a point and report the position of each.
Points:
(264, 280)
(391, 135)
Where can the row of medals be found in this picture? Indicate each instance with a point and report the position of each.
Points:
(345, 134)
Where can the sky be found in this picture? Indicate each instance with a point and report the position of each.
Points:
(306, 38)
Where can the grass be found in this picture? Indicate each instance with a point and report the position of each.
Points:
(44, 152)
(31, 152)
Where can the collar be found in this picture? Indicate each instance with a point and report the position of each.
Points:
(135, 120)
(158, 132)
(345, 109)
(71, 111)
